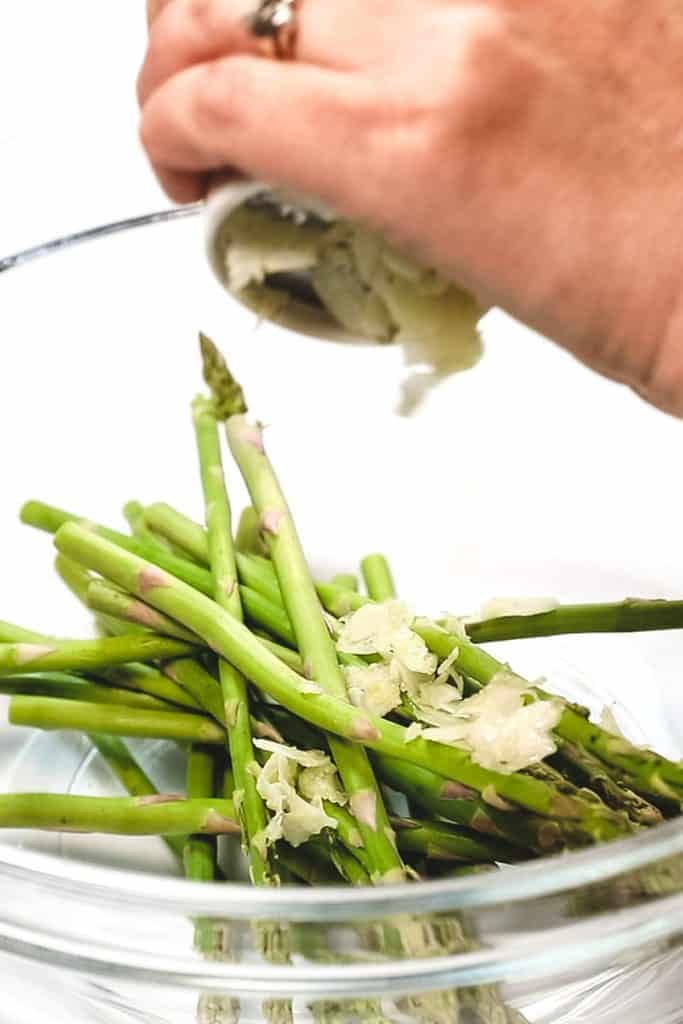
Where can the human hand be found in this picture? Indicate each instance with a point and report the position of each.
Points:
(531, 151)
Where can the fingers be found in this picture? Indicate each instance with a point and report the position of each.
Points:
(154, 8)
(191, 32)
(187, 32)
(180, 186)
(290, 124)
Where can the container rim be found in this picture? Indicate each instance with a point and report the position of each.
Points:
(515, 884)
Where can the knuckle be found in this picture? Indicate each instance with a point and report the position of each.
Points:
(214, 109)
(199, 16)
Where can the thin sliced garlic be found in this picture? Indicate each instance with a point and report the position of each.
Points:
(385, 629)
(321, 783)
(446, 672)
(373, 628)
(413, 732)
(296, 815)
(373, 688)
(455, 624)
(503, 730)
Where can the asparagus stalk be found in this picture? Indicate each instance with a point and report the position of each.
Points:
(333, 853)
(311, 864)
(260, 611)
(346, 580)
(134, 514)
(199, 851)
(438, 841)
(314, 641)
(68, 687)
(49, 519)
(179, 530)
(13, 634)
(133, 779)
(145, 679)
(53, 713)
(156, 815)
(248, 538)
(590, 770)
(236, 701)
(103, 597)
(236, 644)
(303, 608)
(87, 655)
(634, 615)
(377, 577)
(200, 684)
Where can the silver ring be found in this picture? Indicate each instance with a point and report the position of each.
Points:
(274, 25)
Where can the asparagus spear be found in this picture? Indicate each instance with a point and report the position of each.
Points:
(49, 519)
(53, 713)
(298, 593)
(212, 938)
(200, 684)
(377, 576)
(314, 641)
(10, 633)
(68, 687)
(156, 815)
(199, 851)
(346, 580)
(237, 645)
(332, 854)
(103, 597)
(438, 841)
(77, 580)
(629, 616)
(248, 538)
(590, 770)
(262, 612)
(145, 679)
(224, 571)
(133, 779)
(87, 655)
(179, 530)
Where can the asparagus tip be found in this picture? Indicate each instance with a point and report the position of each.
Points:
(228, 397)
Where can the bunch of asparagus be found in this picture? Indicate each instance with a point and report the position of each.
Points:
(225, 644)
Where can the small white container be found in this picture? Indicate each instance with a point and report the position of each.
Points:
(302, 318)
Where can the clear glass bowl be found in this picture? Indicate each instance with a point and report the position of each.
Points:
(525, 476)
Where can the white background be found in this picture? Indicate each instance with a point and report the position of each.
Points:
(527, 475)
(69, 154)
